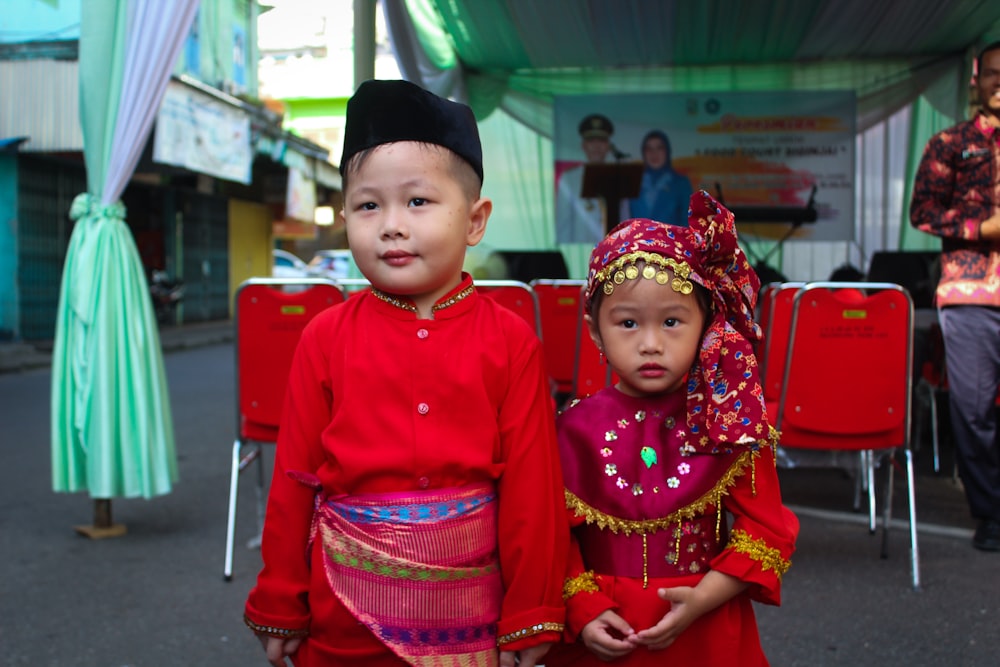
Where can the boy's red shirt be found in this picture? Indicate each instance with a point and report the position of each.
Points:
(379, 401)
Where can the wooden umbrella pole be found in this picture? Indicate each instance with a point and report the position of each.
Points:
(103, 526)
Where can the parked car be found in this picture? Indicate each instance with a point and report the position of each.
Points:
(287, 265)
(333, 264)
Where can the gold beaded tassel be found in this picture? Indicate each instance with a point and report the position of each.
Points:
(718, 516)
(645, 562)
(677, 546)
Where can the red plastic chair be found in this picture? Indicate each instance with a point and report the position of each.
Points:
(847, 384)
(269, 317)
(559, 308)
(771, 354)
(590, 372)
(517, 296)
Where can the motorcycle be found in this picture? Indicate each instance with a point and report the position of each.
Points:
(166, 293)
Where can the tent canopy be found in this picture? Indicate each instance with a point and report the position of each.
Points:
(908, 62)
(524, 34)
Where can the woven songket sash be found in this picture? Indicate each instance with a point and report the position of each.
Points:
(419, 570)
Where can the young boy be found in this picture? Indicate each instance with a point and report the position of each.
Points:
(414, 516)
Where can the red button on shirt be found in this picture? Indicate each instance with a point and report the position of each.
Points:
(422, 333)
(423, 408)
(424, 482)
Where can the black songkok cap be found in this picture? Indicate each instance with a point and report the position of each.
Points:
(383, 112)
(596, 126)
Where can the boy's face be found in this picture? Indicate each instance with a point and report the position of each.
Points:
(409, 221)
(650, 335)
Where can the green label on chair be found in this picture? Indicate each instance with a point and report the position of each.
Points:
(855, 314)
(293, 310)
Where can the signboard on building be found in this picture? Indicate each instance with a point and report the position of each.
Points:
(200, 133)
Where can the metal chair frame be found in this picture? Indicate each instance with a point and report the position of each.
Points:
(867, 455)
(251, 434)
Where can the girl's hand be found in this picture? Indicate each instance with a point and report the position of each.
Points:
(277, 648)
(683, 612)
(607, 636)
(688, 605)
(529, 657)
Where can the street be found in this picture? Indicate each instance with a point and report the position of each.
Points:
(156, 597)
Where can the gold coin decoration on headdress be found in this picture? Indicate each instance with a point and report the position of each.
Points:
(656, 266)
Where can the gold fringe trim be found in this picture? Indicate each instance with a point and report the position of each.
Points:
(585, 582)
(529, 632)
(697, 508)
(768, 557)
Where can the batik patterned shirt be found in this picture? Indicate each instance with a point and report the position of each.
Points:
(957, 187)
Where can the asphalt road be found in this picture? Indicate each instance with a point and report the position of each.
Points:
(156, 598)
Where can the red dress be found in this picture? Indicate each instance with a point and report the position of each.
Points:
(651, 511)
(381, 402)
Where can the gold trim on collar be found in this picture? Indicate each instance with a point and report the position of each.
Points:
(406, 305)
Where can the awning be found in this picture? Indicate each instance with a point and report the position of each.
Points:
(11, 144)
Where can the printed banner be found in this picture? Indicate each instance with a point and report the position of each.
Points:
(202, 134)
(784, 159)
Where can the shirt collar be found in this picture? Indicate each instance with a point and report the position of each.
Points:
(453, 303)
(984, 126)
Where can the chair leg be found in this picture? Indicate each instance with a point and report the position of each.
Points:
(890, 477)
(860, 480)
(912, 498)
(234, 476)
(934, 429)
(254, 542)
(869, 458)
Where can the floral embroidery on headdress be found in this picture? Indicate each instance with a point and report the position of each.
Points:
(725, 403)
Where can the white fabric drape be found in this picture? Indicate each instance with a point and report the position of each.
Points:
(156, 33)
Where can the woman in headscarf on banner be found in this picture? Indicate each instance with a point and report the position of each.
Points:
(664, 193)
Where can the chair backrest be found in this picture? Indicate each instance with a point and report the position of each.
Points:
(590, 372)
(517, 296)
(847, 380)
(771, 355)
(559, 309)
(269, 317)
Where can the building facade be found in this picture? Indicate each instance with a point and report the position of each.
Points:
(208, 192)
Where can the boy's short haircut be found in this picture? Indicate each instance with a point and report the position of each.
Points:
(384, 112)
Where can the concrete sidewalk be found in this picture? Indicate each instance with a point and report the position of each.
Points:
(21, 356)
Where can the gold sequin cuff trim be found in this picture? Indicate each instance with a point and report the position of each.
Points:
(585, 582)
(768, 557)
(531, 631)
(272, 631)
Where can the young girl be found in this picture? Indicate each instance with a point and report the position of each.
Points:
(656, 465)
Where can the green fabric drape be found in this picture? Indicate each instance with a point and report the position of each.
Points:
(111, 426)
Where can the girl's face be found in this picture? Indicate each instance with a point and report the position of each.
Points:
(650, 335)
